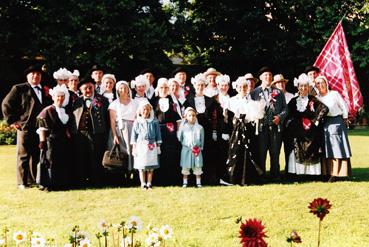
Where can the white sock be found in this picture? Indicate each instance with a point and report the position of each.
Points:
(185, 181)
(143, 184)
(198, 180)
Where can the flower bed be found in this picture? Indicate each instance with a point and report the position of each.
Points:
(8, 135)
(116, 235)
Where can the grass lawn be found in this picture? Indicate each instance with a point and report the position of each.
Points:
(199, 217)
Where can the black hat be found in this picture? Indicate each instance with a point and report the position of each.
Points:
(96, 67)
(33, 68)
(264, 69)
(311, 68)
(86, 80)
(147, 70)
(177, 70)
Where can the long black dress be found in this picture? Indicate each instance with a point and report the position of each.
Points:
(241, 163)
(166, 111)
(305, 137)
(58, 151)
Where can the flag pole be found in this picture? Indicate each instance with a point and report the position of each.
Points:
(343, 17)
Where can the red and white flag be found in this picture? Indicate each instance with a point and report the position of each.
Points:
(335, 63)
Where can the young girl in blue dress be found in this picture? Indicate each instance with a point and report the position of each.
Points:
(146, 140)
(191, 136)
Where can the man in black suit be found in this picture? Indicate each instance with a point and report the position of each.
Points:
(20, 108)
(270, 135)
(90, 133)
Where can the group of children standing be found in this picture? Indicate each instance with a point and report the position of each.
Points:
(146, 140)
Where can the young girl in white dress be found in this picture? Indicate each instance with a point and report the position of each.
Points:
(146, 140)
(191, 135)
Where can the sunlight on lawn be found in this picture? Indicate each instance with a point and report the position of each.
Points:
(199, 217)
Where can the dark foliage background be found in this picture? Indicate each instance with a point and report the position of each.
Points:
(127, 36)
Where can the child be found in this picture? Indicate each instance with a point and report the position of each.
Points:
(145, 140)
(191, 135)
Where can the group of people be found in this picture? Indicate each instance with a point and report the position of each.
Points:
(217, 130)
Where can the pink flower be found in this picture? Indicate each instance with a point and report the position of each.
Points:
(151, 146)
(187, 88)
(170, 127)
(311, 105)
(294, 238)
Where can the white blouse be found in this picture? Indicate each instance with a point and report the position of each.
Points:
(223, 100)
(125, 112)
(211, 92)
(200, 104)
(236, 104)
(334, 101)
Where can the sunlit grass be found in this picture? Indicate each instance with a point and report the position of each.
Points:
(199, 217)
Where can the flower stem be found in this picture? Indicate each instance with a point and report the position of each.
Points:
(124, 242)
(132, 239)
(320, 223)
(106, 240)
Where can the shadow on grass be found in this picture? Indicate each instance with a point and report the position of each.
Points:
(359, 132)
(360, 174)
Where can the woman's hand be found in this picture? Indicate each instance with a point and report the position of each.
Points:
(116, 140)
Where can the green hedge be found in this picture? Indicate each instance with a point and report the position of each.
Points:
(8, 135)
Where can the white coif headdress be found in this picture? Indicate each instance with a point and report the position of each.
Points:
(240, 80)
(62, 74)
(198, 78)
(140, 80)
(58, 90)
(303, 79)
(222, 79)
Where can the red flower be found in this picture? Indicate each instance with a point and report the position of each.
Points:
(174, 107)
(170, 127)
(252, 233)
(46, 90)
(151, 146)
(196, 150)
(306, 123)
(187, 88)
(186, 93)
(311, 105)
(274, 93)
(320, 207)
(294, 238)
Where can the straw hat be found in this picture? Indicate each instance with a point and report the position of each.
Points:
(279, 78)
(211, 71)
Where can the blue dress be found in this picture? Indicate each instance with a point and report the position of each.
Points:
(146, 135)
(191, 135)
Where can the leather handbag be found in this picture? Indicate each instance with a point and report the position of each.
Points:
(115, 158)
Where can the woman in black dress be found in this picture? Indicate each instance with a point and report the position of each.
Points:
(206, 115)
(55, 140)
(241, 162)
(167, 113)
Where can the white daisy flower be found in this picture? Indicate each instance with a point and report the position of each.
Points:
(68, 245)
(38, 242)
(153, 240)
(103, 225)
(134, 223)
(85, 243)
(166, 232)
(19, 237)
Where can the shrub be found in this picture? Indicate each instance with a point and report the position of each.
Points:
(8, 135)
